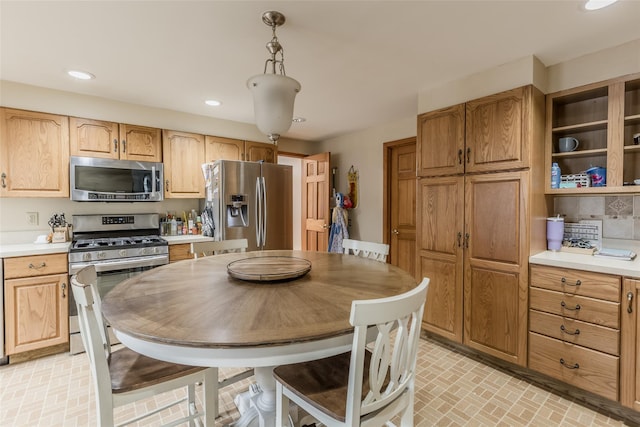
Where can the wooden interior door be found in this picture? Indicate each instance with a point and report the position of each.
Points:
(400, 203)
(315, 202)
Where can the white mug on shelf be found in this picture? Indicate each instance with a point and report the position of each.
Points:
(568, 144)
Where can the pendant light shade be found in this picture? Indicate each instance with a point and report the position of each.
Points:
(273, 92)
(273, 99)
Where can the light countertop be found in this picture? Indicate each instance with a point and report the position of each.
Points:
(593, 263)
(187, 238)
(26, 249)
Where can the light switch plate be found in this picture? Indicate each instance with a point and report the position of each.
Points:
(32, 218)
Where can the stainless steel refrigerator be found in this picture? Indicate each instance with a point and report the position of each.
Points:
(251, 200)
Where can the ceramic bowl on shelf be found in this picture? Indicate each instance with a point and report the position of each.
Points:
(636, 181)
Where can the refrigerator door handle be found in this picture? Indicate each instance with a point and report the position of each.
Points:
(264, 213)
(258, 213)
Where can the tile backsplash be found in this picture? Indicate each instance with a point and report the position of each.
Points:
(620, 214)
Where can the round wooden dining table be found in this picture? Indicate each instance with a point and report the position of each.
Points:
(198, 312)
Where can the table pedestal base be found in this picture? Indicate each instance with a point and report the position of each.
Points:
(257, 406)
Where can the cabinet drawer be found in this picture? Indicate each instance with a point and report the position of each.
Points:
(576, 282)
(603, 313)
(179, 252)
(576, 332)
(584, 368)
(36, 265)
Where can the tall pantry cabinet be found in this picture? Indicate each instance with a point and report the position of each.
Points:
(482, 211)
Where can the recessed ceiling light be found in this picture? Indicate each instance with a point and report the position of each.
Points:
(81, 75)
(298, 120)
(598, 4)
(212, 102)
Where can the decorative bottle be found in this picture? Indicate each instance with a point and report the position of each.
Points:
(555, 176)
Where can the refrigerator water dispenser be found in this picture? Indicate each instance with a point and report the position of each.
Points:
(237, 211)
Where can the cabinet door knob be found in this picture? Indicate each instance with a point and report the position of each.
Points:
(115, 145)
(4, 180)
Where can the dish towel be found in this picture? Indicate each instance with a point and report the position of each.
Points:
(338, 230)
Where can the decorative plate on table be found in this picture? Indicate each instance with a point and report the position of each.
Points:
(269, 268)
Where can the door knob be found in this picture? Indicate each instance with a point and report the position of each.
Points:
(395, 231)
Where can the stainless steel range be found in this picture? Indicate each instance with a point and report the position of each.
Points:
(120, 247)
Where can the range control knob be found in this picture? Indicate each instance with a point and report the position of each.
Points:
(86, 256)
(102, 255)
(123, 252)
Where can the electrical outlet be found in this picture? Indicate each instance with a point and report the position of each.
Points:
(32, 218)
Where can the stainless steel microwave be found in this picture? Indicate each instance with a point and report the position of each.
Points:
(106, 180)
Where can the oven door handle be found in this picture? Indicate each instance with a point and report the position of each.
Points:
(149, 261)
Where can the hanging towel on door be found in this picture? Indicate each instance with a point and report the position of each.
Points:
(339, 229)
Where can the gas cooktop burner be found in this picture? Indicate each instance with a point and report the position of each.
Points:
(107, 242)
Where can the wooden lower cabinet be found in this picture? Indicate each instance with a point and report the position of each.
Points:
(575, 329)
(179, 252)
(630, 345)
(36, 290)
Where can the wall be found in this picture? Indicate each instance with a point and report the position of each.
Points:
(620, 214)
(14, 227)
(363, 150)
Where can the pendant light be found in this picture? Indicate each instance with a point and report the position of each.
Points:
(273, 92)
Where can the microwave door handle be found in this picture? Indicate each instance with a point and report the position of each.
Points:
(153, 180)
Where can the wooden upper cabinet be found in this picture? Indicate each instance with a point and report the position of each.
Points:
(440, 143)
(256, 151)
(140, 143)
(218, 148)
(489, 134)
(97, 138)
(497, 131)
(34, 154)
(183, 158)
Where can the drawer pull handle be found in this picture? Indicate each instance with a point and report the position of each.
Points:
(565, 331)
(563, 363)
(564, 282)
(38, 267)
(630, 300)
(576, 308)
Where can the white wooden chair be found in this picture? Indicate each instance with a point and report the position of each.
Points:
(372, 250)
(364, 387)
(199, 249)
(124, 376)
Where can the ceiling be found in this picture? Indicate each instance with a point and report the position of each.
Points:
(360, 63)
